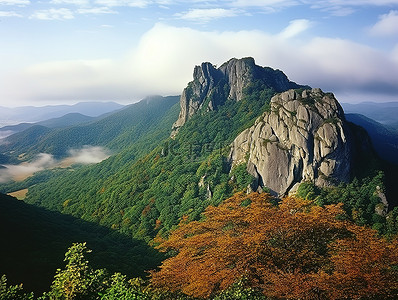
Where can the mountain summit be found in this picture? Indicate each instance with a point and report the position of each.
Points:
(301, 137)
(213, 86)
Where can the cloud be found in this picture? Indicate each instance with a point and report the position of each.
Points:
(10, 14)
(163, 61)
(336, 65)
(360, 2)
(88, 155)
(44, 161)
(130, 3)
(4, 134)
(295, 27)
(71, 2)
(15, 2)
(96, 10)
(264, 3)
(345, 66)
(53, 14)
(75, 79)
(394, 54)
(387, 25)
(207, 14)
(24, 170)
(346, 7)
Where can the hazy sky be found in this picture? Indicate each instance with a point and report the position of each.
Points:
(65, 51)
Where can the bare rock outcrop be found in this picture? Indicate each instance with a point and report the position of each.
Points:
(304, 137)
(212, 87)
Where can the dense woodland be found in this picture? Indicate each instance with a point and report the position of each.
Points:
(249, 247)
(327, 243)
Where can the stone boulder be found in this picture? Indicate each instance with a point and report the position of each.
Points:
(304, 137)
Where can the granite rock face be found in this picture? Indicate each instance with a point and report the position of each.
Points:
(304, 137)
(212, 87)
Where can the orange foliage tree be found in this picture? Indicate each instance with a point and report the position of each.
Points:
(293, 250)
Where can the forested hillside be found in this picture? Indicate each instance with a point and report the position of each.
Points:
(163, 175)
(34, 241)
(249, 247)
(182, 176)
(154, 192)
(116, 131)
(385, 140)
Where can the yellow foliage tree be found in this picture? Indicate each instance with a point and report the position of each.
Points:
(293, 250)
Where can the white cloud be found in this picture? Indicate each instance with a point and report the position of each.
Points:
(345, 65)
(96, 10)
(360, 2)
(21, 171)
(88, 155)
(130, 3)
(53, 14)
(163, 61)
(394, 54)
(10, 14)
(71, 2)
(338, 11)
(295, 27)
(76, 79)
(332, 64)
(387, 25)
(15, 2)
(44, 161)
(263, 3)
(346, 7)
(207, 14)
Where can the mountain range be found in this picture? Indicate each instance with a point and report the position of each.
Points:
(383, 113)
(238, 127)
(40, 113)
(115, 131)
(67, 120)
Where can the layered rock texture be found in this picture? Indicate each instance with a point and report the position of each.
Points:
(213, 86)
(304, 137)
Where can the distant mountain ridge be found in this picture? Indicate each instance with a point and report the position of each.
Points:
(384, 140)
(385, 113)
(70, 119)
(37, 114)
(115, 130)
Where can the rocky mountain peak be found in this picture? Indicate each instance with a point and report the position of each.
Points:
(212, 86)
(304, 137)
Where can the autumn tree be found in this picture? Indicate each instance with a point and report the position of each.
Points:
(365, 266)
(293, 250)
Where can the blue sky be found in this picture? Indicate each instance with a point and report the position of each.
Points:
(66, 51)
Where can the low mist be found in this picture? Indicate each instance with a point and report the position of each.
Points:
(4, 134)
(44, 161)
(88, 155)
